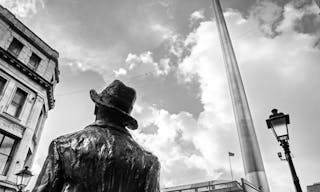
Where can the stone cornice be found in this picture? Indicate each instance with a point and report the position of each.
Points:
(32, 38)
(10, 59)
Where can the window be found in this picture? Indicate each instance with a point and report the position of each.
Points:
(34, 61)
(15, 47)
(17, 103)
(7, 145)
(3, 82)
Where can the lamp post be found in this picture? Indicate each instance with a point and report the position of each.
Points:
(278, 122)
(23, 178)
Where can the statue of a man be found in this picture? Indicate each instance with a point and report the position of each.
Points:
(103, 157)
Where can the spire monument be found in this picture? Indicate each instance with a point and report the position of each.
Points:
(251, 155)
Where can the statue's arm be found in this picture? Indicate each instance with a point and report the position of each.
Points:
(50, 178)
(153, 178)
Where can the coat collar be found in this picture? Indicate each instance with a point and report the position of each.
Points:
(106, 124)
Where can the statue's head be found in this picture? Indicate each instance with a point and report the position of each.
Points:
(119, 98)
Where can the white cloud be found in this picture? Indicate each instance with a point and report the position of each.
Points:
(145, 64)
(177, 46)
(198, 146)
(174, 143)
(163, 31)
(205, 133)
(213, 133)
(22, 8)
(196, 17)
(164, 66)
(269, 15)
(120, 71)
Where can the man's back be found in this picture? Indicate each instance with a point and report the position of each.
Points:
(102, 159)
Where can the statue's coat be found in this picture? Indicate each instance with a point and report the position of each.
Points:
(99, 158)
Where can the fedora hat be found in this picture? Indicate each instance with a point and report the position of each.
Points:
(119, 97)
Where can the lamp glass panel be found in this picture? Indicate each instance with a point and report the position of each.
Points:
(23, 178)
(19, 179)
(26, 180)
(280, 126)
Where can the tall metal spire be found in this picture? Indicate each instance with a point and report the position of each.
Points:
(251, 155)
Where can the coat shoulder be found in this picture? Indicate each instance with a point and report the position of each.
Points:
(152, 160)
(79, 136)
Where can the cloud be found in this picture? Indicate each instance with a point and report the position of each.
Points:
(22, 8)
(100, 41)
(145, 64)
(195, 142)
(182, 139)
(120, 71)
(263, 62)
(269, 15)
(196, 17)
(163, 31)
(309, 23)
(318, 3)
(174, 143)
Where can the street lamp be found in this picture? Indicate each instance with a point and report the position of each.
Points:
(23, 178)
(278, 122)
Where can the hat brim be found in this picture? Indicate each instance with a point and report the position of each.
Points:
(130, 122)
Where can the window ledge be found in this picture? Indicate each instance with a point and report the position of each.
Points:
(11, 125)
(11, 118)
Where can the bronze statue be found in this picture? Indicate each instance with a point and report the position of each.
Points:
(103, 157)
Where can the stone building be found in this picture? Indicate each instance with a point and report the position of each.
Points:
(313, 188)
(28, 74)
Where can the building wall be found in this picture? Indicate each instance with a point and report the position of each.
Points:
(45, 68)
(26, 127)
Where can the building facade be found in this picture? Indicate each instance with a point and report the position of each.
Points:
(313, 188)
(28, 74)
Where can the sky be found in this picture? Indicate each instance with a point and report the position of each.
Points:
(169, 51)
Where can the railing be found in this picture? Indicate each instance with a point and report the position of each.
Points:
(249, 187)
(210, 186)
